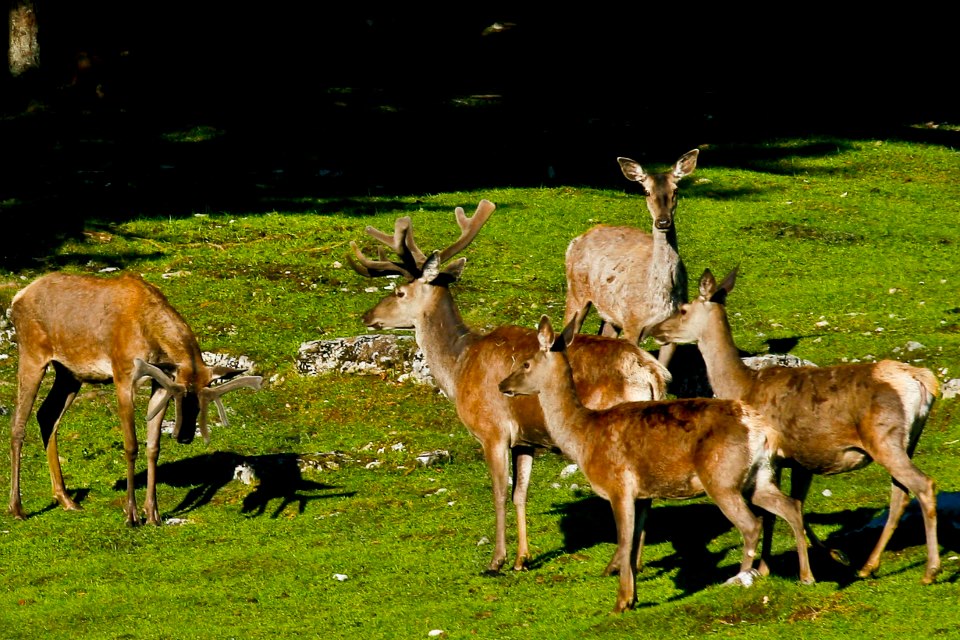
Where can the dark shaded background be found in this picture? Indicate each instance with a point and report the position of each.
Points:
(309, 100)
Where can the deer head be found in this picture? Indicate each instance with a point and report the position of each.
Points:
(192, 402)
(426, 277)
(529, 378)
(660, 189)
(693, 319)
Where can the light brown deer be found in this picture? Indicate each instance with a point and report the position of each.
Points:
(119, 330)
(633, 278)
(468, 365)
(635, 452)
(831, 419)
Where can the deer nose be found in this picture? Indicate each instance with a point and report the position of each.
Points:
(663, 223)
(369, 321)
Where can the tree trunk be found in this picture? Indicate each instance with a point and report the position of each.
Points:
(24, 51)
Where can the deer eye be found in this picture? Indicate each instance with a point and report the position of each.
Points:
(401, 293)
(526, 365)
(683, 311)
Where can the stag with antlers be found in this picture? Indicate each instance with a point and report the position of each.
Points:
(469, 365)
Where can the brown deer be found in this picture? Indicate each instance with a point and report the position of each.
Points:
(633, 278)
(118, 330)
(468, 365)
(637, 451)
(831, 419)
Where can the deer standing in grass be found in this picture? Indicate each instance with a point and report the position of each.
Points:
(633, 278)
(637, 451)
(119, 330)
(468, 365)
(831, 419)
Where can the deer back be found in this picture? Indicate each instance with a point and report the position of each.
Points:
(606, 372)
(89, 324)
(821, 412)
(120, 329)
(672, 447)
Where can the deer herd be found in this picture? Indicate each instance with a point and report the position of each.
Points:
(600, 400)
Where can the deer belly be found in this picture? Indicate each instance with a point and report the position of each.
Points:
(89, 370)
(849, 459)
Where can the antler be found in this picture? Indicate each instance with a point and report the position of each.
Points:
(469, 228)
(403, 244)
(411, 258)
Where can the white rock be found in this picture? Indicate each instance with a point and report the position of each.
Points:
(569, 470)
(245, 474)
(951, 388)
(339, 576)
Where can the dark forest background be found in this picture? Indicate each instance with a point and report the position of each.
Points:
(301, 100)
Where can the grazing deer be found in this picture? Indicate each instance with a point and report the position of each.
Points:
(118, 330)
(637, 451)
(831, 419)
(633, 278)
(468, 365)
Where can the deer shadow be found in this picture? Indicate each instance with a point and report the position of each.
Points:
(78, 496)
(273, 476)
(690, 528)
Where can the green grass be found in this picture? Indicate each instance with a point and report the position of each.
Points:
(861, 235)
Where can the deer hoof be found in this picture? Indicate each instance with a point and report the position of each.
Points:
(930, 576)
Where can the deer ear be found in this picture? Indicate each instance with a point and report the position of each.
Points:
(707, 284)
(431, 268)
(454, 270)
(686, 164)
(545, 333)
(569, 332)
(632, 170)
(725, 287)
(221, 372)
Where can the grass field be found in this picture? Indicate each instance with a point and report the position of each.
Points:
(848, 250)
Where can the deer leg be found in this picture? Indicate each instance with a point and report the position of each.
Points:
(496, 457)
(608, 329)
(624, 513)
(666, 353)
(613, 567)
(130, 446)
(800, 481)
(29, 376)
(907, 477)
(153, 453)
(776, 476)
(61, 396)
(735, 508)
(768, 496)
(578, 309)
(522, 464)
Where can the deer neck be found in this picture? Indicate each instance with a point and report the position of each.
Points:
(443, 336)
(562, 410)
(728, 376)
(667, 277)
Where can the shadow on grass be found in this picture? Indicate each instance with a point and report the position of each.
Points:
(78, 496)
(278, 478)
(691, 527)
